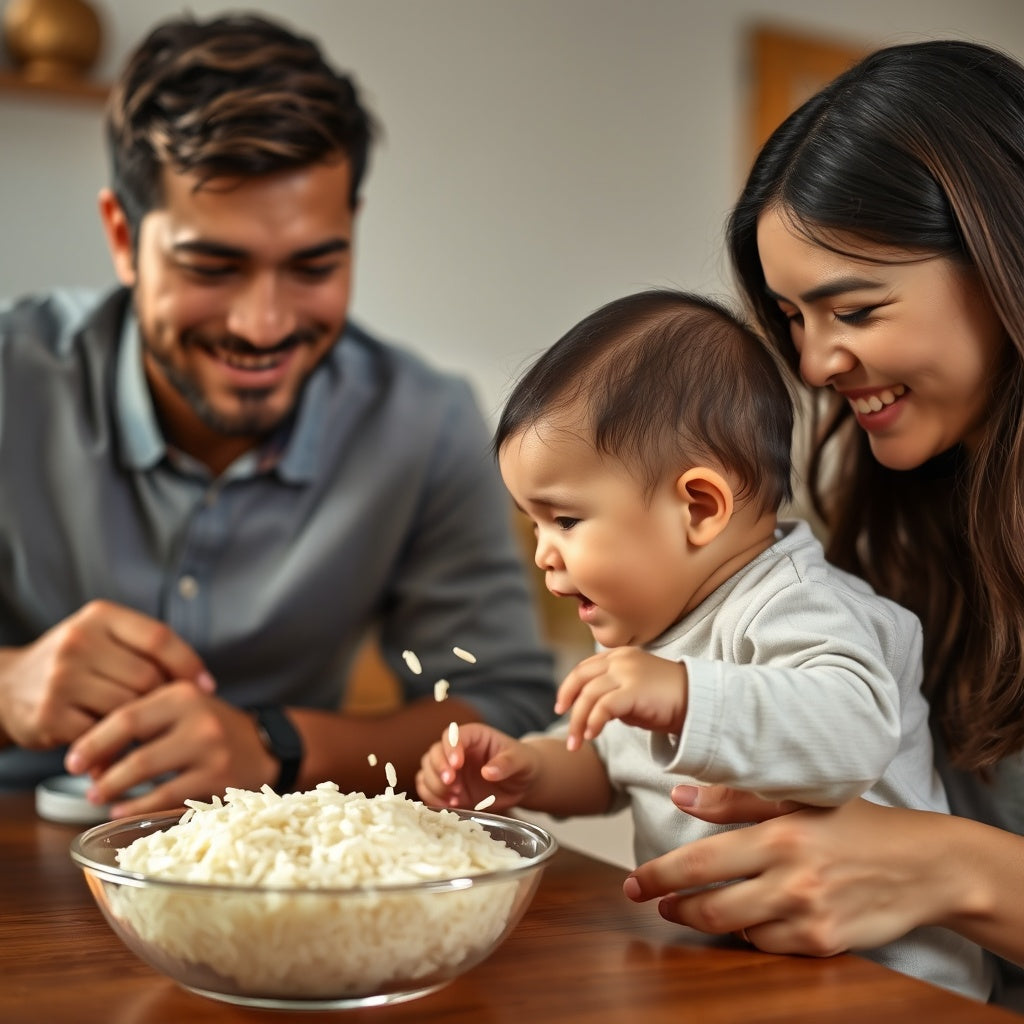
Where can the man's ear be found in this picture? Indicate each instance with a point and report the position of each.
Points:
(707, 502)
(119, 237)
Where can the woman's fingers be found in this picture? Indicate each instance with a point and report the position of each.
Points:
(724, 806)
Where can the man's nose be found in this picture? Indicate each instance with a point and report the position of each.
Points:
(260, 312)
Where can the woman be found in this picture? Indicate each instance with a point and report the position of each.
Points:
(880, 243)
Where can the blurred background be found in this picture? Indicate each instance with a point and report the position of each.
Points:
(539, 157)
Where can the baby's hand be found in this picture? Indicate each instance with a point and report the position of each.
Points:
(472, 763)
(625, 683)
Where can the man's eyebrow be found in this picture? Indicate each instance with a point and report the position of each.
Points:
(328, 248)
(202, 247)
(830, 289)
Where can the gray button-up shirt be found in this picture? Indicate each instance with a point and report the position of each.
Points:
(379, 506)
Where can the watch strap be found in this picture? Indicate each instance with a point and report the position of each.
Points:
(283, 741)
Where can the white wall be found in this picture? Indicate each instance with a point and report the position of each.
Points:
(541, 157)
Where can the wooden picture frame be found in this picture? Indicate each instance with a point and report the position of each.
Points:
(786, 69)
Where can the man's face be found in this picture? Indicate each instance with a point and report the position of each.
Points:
(241, 287)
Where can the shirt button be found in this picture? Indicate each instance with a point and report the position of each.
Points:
(188, 587)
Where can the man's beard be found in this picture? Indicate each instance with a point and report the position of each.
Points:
(254, 419)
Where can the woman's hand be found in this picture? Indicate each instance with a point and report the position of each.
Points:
(814, 881)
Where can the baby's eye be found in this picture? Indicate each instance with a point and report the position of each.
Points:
(565, 522)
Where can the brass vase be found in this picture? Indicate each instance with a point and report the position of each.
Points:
(52, 40)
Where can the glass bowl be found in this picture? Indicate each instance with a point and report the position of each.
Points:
(311, 948)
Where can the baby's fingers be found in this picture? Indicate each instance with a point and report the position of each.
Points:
(453, 751)
(436, 781)
(442, 762)
(576, 680)
(568, 693)
(502, 766)
(584, 722)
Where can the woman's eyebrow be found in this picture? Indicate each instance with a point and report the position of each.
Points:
(829, 289)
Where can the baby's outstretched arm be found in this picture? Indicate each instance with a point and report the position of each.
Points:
(475, 762)
(626, 683)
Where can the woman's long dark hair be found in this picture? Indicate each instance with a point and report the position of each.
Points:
(920, 147)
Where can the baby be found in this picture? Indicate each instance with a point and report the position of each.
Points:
(650, 448)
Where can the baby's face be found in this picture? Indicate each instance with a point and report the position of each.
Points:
(621, 555)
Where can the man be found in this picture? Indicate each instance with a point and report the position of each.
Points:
(213, 484)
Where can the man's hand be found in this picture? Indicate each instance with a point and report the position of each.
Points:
(191, 743)
(101, 658)
(626, 683)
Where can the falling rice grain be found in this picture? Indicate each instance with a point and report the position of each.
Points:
(413, 662)
(486, 802)
(464, 655)
(441, 690)
(389, 771)
(372, 759)
(453, 734)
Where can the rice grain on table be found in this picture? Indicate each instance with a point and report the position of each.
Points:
(293, 940)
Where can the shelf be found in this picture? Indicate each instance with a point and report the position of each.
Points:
(84, 89)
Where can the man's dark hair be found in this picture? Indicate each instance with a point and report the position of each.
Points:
(236, 96)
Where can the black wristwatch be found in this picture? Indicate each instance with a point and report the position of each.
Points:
(283, 741)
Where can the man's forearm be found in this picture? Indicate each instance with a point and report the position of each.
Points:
(338, 747)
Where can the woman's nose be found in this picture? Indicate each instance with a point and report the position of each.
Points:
(822, 360)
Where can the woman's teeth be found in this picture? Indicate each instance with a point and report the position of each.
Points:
(874, 403)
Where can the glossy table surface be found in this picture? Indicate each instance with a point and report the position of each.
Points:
(583, 952)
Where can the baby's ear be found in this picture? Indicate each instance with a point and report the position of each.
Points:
(707, 501)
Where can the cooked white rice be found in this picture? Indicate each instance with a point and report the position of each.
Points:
(309, 944)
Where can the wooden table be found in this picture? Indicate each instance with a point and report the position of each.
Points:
(583, 952)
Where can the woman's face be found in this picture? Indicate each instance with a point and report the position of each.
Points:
(912, 344)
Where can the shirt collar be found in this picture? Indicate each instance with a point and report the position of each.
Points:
(142, 443)
(293, 452)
